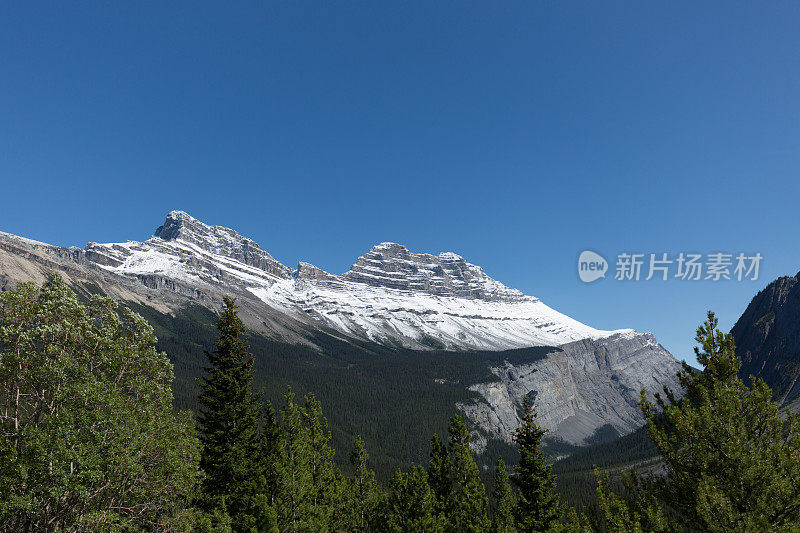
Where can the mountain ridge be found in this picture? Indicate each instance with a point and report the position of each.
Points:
(391, 297)
(767, 337)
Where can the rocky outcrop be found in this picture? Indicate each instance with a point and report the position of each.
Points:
(767, 337)
(577, 389)
(392, 266)
(307, 271)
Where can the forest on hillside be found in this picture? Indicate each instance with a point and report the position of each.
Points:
(90, 441)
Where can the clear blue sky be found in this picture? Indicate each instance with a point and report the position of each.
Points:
(514, 133)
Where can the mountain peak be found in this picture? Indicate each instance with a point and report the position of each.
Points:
(392, 265)
(174, 225)
(395, 249)
(219, 240)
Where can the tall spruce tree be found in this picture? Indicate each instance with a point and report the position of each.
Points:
(271, 442)
(325, 483)
(411, 504)
(467, 505)
(439, 473)
(229, 428)
(295, 488)
(537, 507)
(503, 521)
(365, 491)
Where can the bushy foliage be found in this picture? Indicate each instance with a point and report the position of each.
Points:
(88, 437)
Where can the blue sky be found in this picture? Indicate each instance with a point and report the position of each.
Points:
(514, 133)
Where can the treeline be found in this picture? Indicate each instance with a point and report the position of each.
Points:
(89, 441)
(355, 382)
(576, 482)
(268, 471)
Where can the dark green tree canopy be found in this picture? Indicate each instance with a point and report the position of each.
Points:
(235, 480)
(505, 501)
(537, 505)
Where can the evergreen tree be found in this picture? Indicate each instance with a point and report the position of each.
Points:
(271, 443)
(504, 501)
(295, 489)
(638, 513)
(537, 507)
(732, 455)
(411, 504)
(325, 483)
(229, 427)
(365, 491)
(439, 473)
(467, 505)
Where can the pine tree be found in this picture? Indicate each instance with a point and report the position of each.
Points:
(504, 501)
(229, 427)
(537, 507)
(295, 489)
(467, 505)
(732, 455)
(439, 473)
(411, 504)
(365, 491)
(325, 483)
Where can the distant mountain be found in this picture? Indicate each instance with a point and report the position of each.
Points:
(583, 379)
(768, 337)
(390, 295)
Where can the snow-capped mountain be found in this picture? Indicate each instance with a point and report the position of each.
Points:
(390, 296)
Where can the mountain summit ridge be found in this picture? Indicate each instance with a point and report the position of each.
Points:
(390, 295)
(386, 264)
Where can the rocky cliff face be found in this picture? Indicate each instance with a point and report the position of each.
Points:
(579, 388)
(391, 265)
(390, 296)
(768, 337)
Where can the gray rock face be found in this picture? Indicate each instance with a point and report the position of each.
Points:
(767, 338)
(447, 274)
(578, 388)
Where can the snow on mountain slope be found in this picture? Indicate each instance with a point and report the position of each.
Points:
(390, 295)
